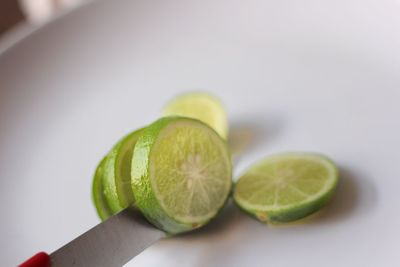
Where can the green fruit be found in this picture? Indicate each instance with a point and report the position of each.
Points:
(98, 193)
(286, 187)
(117, 173)
(201, 106)
(181, 174)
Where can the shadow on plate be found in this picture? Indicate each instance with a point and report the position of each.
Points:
(252, 131)
(343, 202)
(229, 216)
(355, 193)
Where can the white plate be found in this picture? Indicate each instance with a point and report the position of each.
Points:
(302, 75)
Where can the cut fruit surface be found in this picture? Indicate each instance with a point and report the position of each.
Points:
(98, 197)
(181, 173)
(201, 106)
(286, 187)
(117, 174)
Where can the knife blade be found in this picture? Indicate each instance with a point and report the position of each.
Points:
(111, 243)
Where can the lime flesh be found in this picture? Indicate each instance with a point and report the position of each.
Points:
(99, 200)
(286, 187)
(201, 106)
(117, 173)
(181, 174)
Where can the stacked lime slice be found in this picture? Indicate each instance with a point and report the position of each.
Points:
(111, 190)
(177, 171)
(117, 177)
(181, 173)
(99, 200)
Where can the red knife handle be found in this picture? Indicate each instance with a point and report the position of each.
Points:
(41, 259)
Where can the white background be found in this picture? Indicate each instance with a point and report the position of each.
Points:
(294, 75)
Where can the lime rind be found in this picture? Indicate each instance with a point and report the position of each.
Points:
(202, 106)
(276, 214)
(108, 181)
(123, 168)
(148, 197)
(98, 198)
(118, 174)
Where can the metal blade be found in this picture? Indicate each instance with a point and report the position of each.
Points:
(109, 244)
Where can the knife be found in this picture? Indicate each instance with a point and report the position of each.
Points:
(111, 243)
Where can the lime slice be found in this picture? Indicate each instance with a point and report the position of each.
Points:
(286, 187)
(181, 174)
(201, 106)
(117, 173)
(98, 197)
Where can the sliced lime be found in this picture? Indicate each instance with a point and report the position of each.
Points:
(181, 174)
(98, 197)
(286, 187)
(201, 106)
(117, 174)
